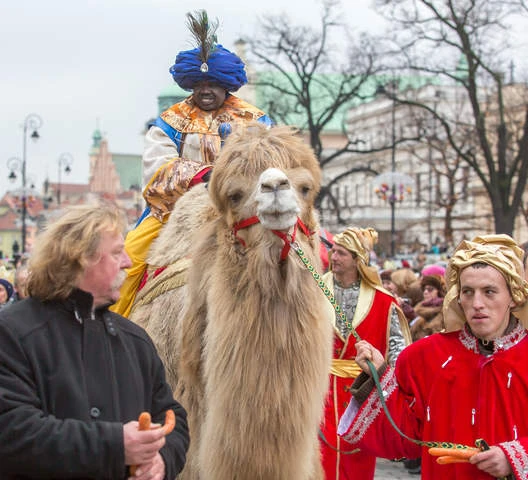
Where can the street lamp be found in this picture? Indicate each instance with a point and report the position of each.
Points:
(397, 183)
(392, 197)
(31, 124)
(64, 162)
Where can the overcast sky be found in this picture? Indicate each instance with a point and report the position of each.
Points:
(83, 64)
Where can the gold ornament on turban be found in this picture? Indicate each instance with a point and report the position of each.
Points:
(361, 241)
(500, 252)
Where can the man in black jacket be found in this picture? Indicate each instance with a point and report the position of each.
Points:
(74, 376)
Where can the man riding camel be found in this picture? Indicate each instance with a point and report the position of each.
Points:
(184, 141)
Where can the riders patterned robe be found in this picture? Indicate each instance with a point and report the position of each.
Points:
(444, 389)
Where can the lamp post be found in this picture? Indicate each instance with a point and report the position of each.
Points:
(392, 197)
(64, 162)
(31, 124)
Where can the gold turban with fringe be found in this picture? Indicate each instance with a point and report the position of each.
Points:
(499, 251)
(361, 241)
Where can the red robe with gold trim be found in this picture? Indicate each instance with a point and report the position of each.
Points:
(372, 323)
(444, 390)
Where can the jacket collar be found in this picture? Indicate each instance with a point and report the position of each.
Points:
(80, 303)
(509, 340)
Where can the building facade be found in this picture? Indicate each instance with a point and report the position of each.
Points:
(440, 200)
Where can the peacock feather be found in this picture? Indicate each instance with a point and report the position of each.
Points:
(204, 32)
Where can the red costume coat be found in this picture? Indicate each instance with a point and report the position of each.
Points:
(443, 389)
(372, 323)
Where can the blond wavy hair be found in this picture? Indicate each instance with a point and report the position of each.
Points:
(67, 245)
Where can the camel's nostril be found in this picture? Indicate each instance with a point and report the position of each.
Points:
(270, 187)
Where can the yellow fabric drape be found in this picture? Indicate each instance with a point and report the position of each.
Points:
(345, 368)
(137, 244)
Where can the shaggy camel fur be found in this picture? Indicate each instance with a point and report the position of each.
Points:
(252, 343)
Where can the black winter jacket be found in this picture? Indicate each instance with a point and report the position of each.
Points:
(69, 380)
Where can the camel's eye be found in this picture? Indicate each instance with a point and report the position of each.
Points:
(235, 197)
(305, 190)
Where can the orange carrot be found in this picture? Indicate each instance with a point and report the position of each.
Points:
(170, 421)
(144, 424)
(463, 453)
(445, 459)
(144, 421)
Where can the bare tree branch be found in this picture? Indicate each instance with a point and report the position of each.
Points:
(430, 34)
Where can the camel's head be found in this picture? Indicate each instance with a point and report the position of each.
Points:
(269, 173)
(276, 200)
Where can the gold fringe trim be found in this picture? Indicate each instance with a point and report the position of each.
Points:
(174, 276)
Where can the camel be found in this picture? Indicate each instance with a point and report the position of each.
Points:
(244, 330)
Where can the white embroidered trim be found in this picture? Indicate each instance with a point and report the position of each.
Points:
(518, 457)
(501, 344)
(372, 407)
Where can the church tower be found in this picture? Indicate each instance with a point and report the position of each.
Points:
(103, 177)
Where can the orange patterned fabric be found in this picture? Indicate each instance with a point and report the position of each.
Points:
(168, 184)
(188, 118)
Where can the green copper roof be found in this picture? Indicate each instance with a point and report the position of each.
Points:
(170, 95)
(97, 137)
(174, 90)
(321, 90)
(129, 169)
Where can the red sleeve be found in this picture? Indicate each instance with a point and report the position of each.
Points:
(371, 430)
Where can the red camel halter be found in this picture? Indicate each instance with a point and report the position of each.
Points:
(285, 237)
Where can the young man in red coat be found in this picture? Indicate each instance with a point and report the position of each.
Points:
(471, 384)
(374, 313)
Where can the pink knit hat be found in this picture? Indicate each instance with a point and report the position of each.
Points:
(433, 270)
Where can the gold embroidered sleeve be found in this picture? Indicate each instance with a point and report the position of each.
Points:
(168, 184)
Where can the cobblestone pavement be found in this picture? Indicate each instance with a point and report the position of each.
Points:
(385, 470)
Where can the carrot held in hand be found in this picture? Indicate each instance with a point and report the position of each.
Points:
(463, 453)
(144, 421)
(144, 424)
(170, 421)
(445, 459)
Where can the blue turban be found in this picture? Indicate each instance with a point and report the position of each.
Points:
(224, 68)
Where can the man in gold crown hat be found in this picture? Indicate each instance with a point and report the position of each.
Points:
(471, 383)
(374, 313)
(182, 145)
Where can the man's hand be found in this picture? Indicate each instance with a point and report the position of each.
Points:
(142, 446)
(493, 462)
(154, 470)
(365, 351)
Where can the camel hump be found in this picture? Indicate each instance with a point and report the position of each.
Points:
(192, 211)
(168, 257)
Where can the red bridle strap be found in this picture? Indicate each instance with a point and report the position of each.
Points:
(247, 222)
(304, 228)
(286, 238)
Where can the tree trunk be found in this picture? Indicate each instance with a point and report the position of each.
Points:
(504, 221)
(448, 225)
